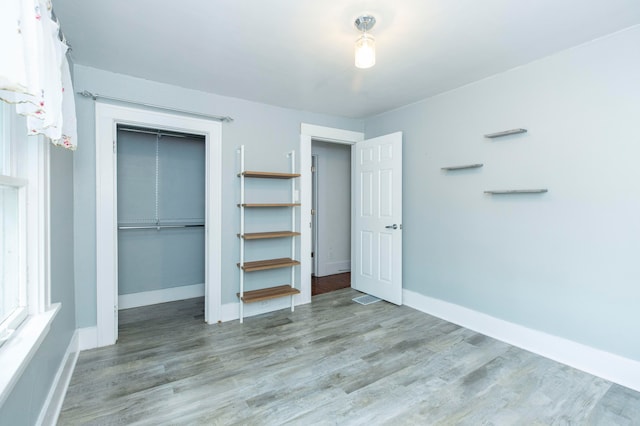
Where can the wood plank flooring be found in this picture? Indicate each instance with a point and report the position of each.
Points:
(321, 285)
(333, 362)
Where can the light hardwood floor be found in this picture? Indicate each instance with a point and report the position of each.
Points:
(333, 362)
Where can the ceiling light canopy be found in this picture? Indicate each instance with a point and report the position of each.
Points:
(366, 44)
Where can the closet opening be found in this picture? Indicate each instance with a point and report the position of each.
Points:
(161, 210)
(330, 217)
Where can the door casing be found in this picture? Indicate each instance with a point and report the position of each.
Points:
(108, 116)
(314, 215)
(308, 133)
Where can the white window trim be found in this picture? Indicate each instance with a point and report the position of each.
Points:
(18, 350)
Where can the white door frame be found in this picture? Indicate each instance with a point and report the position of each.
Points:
(314, 216)
(108, 116)
(309, 132)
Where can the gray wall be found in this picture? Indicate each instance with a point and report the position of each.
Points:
(565, 262)
(334, 207)
(268, 133)
(25, 401)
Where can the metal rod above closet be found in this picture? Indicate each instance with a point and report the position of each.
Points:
(96, 96)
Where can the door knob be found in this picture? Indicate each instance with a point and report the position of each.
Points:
(394, 226)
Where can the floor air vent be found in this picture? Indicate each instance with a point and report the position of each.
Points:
(367, 299)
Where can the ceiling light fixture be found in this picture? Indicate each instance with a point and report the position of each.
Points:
(365, 45)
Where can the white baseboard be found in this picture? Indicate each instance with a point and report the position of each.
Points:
(612, 367)
(53, 404)
(87, 338)
(332, 268)
(134, 300)
(231, 311)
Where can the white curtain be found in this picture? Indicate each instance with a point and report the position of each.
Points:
(34, 71)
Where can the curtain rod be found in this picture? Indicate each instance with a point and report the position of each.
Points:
(96, 96)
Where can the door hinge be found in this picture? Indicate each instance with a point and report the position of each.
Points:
(313, 169)
(313, 212)
(312, 254)
(114, 147)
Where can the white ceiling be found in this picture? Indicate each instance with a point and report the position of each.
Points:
(299, 53)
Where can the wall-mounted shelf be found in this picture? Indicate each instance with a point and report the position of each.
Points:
(466, 166)
(505, 133)
(517, 191)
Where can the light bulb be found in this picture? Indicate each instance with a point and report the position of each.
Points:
(365, 51)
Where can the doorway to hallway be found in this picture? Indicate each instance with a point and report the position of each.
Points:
(331, 216)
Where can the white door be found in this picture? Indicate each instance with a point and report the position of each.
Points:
(377, 165)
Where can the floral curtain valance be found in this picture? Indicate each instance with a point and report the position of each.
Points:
(34, 71)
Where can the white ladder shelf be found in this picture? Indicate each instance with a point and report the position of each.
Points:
(244, 266)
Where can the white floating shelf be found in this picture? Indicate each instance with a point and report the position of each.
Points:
(467, 166)
(505, 133)
(517, 191)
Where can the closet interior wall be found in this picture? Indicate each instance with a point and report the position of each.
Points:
(161, 210)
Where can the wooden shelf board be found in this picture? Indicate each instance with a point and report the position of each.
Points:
(265, 235)
(268, 293)
(269, 175)
(261, 265)
(269, 205)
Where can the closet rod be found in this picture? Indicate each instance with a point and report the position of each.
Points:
(160, 226)
(96, 96)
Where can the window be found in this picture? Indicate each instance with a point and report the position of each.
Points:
(25, 310)
(13, 291)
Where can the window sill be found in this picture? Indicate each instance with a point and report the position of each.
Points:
(16, 353)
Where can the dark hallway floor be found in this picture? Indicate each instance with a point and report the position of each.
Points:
(321, 285)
